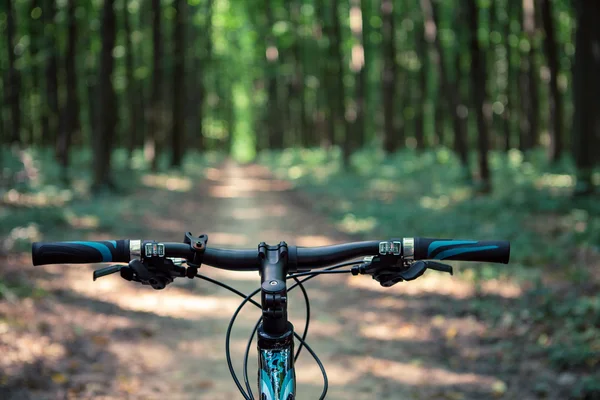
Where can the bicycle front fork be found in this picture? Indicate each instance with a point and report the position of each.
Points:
(276, 375)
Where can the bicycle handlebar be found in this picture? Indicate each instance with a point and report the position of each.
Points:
(80, 252)
(84, 252)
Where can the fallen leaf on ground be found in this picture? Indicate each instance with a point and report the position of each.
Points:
(59, 378)
(499, 388)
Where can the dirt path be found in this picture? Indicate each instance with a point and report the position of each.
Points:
(113, 340)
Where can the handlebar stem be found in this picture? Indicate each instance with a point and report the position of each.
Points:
(273, 271)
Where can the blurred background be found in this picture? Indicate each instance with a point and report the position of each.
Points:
(314, 122)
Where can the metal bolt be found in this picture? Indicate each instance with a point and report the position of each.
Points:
(273, 283)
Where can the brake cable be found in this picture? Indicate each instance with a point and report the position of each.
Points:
(248, 299)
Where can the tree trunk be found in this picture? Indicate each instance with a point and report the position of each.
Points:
(390, 141)
(478, 91)
(508, 89)
(35, 28)
(70, 113)
(106, 100)
(448, 87)
(51, 109)
(13, 82)
(586, 92)
(356, 115)
(272, 54)
(131, 85)
(346, 135)
(423, 55)
(556, 101)
(529, 118)
(178, 120)
(200, 63)
(298, 80)
(439, 116)
(155, 112)
(330, 78)
(362, 89)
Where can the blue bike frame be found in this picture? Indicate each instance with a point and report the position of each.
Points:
(277, 378)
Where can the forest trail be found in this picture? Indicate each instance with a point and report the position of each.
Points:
(112, 339)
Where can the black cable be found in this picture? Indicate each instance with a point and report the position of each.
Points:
(228, 353)
(307, 320)
(226, 286)
(324, 272)
(247, 354)
(302, 341)
(228, 340)
(307, 302)
(250, 340)
(346, 264)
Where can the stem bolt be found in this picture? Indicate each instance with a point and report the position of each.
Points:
(273, 283)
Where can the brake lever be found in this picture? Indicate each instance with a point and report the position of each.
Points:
(99, 273)
(440, 267)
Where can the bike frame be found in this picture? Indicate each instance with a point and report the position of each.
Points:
(276, 374)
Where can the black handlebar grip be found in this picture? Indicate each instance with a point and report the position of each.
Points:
(80, 252)
(493, 251)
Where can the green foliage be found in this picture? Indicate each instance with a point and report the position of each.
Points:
(588, 388)
(426, 195)
(10, 290)
(36, 203)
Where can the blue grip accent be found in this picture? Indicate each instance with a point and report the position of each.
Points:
(440, 243)
(453, 252)
(114, 243)
(101, 247)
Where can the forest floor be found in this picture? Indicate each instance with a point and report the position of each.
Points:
(111, 339)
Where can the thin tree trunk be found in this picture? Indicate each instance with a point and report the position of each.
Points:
(478, 91)
(230, 120)
(155, 113)
(13, 83)
(298, 80)
(449, 88)
(556, 101)
(390, 141)
(178, 119)
(70, 113)
(346, 135)
(508, 89)
(320, 107)
(106, 99)
(35, 27)
(329, 79)
(200, 63)
(357, 65)
(423, 54)
(51, 113)
(362, 89)
(274, 120)
(439, 116)
(529, 117)
(586, 92)
(131, 85)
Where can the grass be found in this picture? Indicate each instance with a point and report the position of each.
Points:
(35, 203)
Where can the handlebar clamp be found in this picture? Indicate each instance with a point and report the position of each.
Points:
(198, 246)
